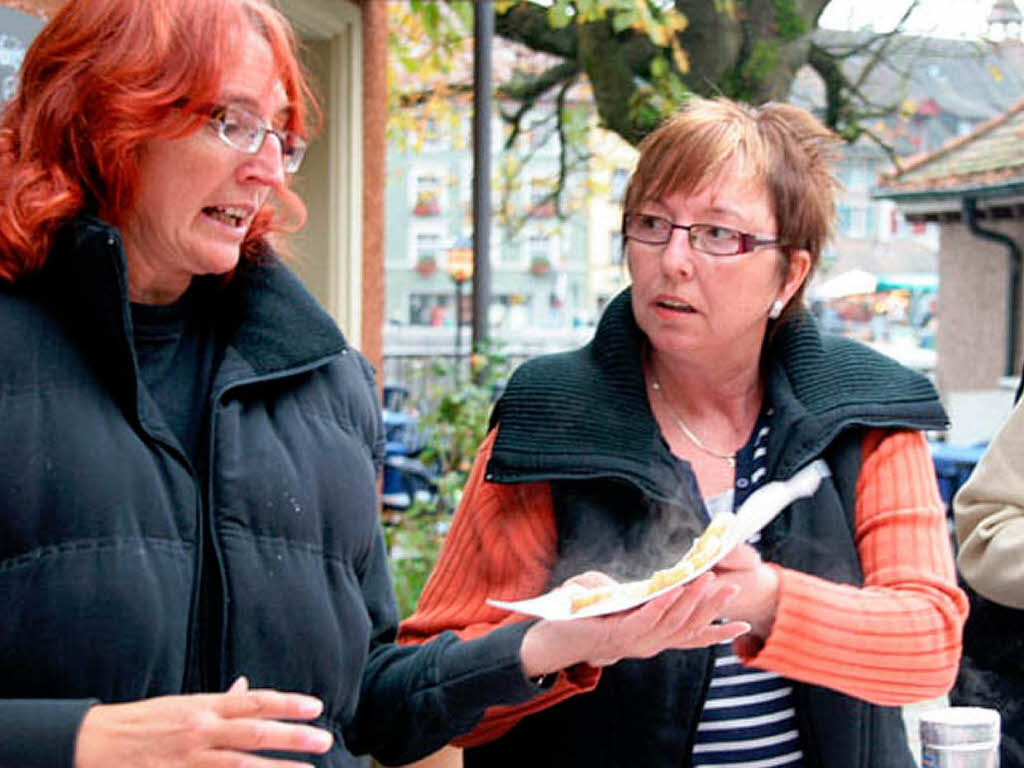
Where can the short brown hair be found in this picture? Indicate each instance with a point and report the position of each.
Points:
(782, 145)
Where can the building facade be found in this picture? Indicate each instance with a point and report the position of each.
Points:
(540, 275)
(973, 190)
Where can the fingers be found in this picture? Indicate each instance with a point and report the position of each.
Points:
(740, 558)
(724, 632)
(254, 735)
(207, 730)
(269, 704)
(679, 605)
(715, 602)
(247, 734)
(688, 617)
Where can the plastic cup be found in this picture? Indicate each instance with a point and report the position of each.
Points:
(960, 737)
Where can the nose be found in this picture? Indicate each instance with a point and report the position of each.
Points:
(678, 255)
(267, 165)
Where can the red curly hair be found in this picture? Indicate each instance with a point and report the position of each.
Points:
(102, 78)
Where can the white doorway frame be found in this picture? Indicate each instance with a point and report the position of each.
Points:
(340, 23)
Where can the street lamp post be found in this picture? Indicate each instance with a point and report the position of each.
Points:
(460, 269)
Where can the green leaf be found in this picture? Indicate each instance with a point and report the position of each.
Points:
(589, 10)
(624, 19)
(464, 12)
(559, 16)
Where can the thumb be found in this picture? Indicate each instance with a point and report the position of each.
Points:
(742, 557)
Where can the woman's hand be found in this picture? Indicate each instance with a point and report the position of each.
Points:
(201, 731)
(757, 588)
(681, 618)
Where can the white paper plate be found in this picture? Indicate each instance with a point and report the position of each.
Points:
(760, 508)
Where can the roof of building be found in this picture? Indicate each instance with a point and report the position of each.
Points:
(991, 157)
(971, 79)
(1005, 12)
(926, 89)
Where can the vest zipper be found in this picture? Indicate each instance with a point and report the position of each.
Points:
(215, 666)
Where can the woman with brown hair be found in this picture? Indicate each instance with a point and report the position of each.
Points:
(706, 379)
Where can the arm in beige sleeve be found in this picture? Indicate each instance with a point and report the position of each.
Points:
(989, 512)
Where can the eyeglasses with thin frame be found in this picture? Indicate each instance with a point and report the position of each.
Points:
(239, 128)
(712, 239)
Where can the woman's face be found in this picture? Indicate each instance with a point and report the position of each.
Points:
(197, 196)
(689, 303)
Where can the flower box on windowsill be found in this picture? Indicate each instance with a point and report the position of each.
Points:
(540, 266)
(426, 266)
(427, 207)
(545, 210)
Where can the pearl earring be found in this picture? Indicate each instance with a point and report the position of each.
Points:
(776, 310)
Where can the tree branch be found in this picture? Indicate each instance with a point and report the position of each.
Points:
(527, 23)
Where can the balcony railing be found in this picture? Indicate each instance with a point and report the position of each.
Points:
(411, 351)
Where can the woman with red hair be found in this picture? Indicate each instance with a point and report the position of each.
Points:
(188, 516)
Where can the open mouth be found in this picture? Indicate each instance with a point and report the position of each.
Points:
(233, 217)
(675, 306)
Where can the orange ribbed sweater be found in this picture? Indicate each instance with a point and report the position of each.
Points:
(893, 641)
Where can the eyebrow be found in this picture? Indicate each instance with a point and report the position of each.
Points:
(725, 210)
(734, 213)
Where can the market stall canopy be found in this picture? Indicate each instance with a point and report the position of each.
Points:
(923, 282)
(856, 281)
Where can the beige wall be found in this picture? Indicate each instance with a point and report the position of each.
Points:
(310, 244)
(972, 305)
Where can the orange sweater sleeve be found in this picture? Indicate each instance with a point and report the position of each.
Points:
(502, 545)
(898, 638)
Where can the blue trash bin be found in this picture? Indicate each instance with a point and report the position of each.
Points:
(953, 465)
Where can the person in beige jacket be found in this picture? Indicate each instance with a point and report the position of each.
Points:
(989, 514)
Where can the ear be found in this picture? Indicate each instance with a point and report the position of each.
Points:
(796, 272)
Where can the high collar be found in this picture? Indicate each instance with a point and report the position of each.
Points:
(820, 384)
(585, 413)
(270, 323)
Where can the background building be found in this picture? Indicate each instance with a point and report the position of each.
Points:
(541, 297)
(553, 276)
(972, 189)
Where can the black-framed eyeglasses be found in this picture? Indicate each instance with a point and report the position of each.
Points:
(239, 128)
(711, 239)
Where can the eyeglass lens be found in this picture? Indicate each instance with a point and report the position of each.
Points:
(707, 238)
(247, 132)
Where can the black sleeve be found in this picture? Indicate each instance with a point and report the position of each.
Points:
(40, 733)
(417, 698)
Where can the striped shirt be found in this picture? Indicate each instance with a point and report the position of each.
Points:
(748, 719)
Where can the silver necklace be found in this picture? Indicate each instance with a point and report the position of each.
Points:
(730, 457)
